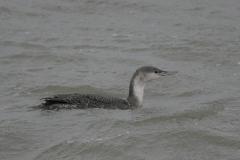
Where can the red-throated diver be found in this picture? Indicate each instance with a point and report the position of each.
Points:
(136, 90)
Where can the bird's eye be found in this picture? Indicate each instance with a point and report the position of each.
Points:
(155, 71)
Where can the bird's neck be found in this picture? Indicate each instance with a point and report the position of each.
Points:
(136, 91)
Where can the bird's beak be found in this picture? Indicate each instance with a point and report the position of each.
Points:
(166, 73)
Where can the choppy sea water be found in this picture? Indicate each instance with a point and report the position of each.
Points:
(94, 46)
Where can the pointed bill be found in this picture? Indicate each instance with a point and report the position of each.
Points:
(166, 73)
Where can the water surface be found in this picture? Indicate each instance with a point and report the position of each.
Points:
(94, 46)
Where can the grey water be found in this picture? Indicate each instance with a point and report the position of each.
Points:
(94, 46)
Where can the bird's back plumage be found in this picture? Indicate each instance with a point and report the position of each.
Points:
(69, 101)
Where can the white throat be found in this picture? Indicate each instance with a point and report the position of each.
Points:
(138, 90)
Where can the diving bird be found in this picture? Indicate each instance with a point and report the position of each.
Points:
(136, 91)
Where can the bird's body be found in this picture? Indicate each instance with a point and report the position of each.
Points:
(136, 91)
(82, 101)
